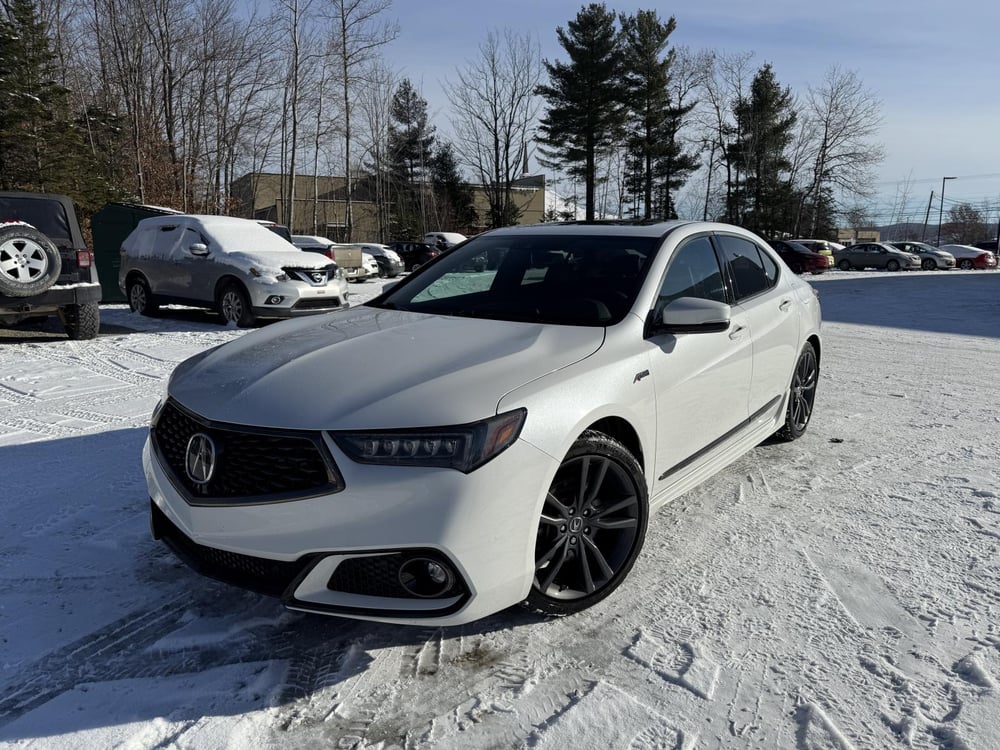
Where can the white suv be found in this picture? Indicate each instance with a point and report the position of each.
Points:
(235, 266)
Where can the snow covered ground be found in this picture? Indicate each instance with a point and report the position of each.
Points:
(842, 591)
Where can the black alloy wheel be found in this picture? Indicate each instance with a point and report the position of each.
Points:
(927, 264)
(592, 526)
(844, 265)
(801, 395)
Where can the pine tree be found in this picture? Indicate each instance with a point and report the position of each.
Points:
(765, 202)
(40, 144)
(411, 143)
(584, 97)
(453, 199)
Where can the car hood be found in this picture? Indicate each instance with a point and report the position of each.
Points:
(372, 368)
(278, 259)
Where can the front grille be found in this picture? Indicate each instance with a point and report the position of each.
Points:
(251, 465)
(312, 276)
(317, 303)
(270, 577)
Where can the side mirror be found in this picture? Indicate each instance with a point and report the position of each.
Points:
(694, 315)
(198, 248)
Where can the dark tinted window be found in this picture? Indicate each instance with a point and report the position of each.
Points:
(549, 277)
(693, 272)
(746, 266)
(47, 216)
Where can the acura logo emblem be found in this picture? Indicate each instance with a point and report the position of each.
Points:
(199, 460)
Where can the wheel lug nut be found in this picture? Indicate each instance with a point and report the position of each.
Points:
(562, 528)
(586, 530)
(572, 540)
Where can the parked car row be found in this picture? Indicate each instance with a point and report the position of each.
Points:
(816, 256)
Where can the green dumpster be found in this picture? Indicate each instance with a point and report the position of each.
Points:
(110, 226)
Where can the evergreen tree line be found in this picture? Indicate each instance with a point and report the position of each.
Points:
(170, 101)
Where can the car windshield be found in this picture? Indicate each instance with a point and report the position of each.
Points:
(566, 279)
(246, 237)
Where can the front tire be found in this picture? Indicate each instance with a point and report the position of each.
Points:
(892, 265)
(234, 306)
(592, 526)
(966, 265)
(844, 265)
(928, 265)
(801, 395)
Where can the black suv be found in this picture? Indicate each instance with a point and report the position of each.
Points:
(45, 267)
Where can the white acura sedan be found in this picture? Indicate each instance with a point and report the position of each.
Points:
(472, 440)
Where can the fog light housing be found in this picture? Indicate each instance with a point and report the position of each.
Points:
(274, 299)
(425, 578)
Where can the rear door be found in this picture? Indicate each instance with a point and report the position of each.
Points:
(770, 307)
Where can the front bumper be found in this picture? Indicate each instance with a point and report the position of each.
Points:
(289, 299)
(482, 525)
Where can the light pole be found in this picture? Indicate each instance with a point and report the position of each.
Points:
(941, 209)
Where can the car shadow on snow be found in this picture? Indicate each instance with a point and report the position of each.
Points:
(918, 301)
(102, 626)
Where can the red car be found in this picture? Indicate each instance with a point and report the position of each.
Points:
(969, 257)
(800, 258)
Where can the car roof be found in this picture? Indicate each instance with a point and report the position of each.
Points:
(205, 220)
(608, 228)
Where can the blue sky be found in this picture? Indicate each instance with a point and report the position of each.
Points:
(935, 66)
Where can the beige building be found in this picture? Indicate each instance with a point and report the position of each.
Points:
(320, 206)
(853, 236)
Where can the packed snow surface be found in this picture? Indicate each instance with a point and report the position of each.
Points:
(841, 591)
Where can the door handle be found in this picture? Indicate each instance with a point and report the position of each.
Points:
(785, 304)
(736, 333)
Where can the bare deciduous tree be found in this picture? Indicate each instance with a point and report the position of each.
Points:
(494, 109)
(358, 32)
(845, 117)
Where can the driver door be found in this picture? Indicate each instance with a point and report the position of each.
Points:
(701, 380)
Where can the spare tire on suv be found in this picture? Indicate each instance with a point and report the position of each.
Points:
(45, 266)
(29, 262)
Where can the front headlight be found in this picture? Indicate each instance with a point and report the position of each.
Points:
(258, 273)
(463, 447)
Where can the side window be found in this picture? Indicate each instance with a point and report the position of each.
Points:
(746, 266)
(693, 272)
(191, 237)
(770, 268)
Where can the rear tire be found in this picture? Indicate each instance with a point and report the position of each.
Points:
(592, 526)
(81, 322)
(801, 395)
(140, 297)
